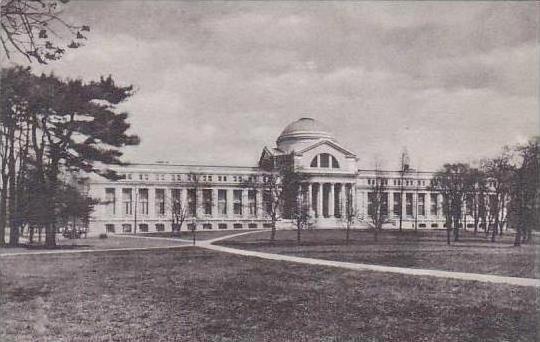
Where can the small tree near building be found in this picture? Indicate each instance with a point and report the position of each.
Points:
(378, 203)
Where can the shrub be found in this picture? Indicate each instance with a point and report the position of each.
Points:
(102, 236)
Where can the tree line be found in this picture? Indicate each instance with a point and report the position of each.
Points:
(52, 129)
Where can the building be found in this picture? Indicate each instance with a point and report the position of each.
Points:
(146, 199)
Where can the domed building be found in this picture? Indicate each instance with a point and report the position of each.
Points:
(152, 197)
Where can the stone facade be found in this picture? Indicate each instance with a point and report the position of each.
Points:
(218, 198)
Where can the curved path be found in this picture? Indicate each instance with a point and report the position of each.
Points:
(487, 278)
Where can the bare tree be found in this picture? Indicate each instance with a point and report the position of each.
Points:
(452, 182)
(350, 214)
(35, 29)
(499, 172)
(179, 211)
(404, 169)
(378, 202)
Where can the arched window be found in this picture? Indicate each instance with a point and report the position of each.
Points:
(325, 160)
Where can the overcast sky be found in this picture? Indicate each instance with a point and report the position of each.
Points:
(218, 81)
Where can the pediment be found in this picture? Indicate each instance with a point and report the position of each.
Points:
(329, 143)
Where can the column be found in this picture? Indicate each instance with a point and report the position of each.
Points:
(230, 205)
(320, 200)
(427, 205)
(440, 205)
(215, 208)
(310, 199)
(245, 203)
(404, 205)
(343, 200)
(390, 204)
(259, 205)
(151, 202)
(198, 202)
(331, 200)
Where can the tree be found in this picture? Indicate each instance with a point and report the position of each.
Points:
(525, 190)
(179, 211)
(68, 125)
(404, 169)
(35, 29)
(452, 182)
(280, 185)
(378, 202)
(195, 205)
(74, 209)
(296, 202)
(350, 214)
(476, 198)
(499, 172)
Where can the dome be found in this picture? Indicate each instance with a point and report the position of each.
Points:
(302, 132)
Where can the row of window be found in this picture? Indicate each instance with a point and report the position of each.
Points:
(160, 227)
(374, 199)
(406, 182)
(138, 200)
(188, 177)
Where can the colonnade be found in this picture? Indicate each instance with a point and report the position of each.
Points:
(328, 199)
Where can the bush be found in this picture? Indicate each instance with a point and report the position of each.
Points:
(102, 236)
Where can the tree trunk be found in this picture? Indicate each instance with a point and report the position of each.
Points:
(3, 212)
(273, 232)
(298, 235)
(517, 240)
(495, 229)
(456, 229)
(50, 235)
(348, 235)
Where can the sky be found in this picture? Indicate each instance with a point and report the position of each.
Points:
(217, 81)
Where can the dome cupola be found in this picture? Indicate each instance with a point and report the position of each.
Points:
(301, 133)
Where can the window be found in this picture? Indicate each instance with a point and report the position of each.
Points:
(109, 228)
(267, 225)
(126, 228)
(222, 226)
(434, 225)
(237, 226)
(192, 202)
(434, 205)
(397, 203)
(160, 227)
(222, 202)
(191, 226)
(127, 201)
(252, 202)
(252, 226)
(143, 227)
(175, 196)
(110, 200)
(207, 226)
(371, 204)
(267, 201)
(384, 204)
(207, 201)
(422, 204)
(325, 160)
(160, 202)
(421, 225)
(315, 162)
(237, 202)
(143, 201)
(408, 204)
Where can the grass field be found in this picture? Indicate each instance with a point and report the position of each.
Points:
(422, 249)
(94, 243)
(197, 295)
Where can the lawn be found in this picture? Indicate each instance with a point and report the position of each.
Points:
(199, 234)
(93, 243)
(422, 249)
(192, 294)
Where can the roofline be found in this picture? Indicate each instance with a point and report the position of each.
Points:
(398, 171)
(188, 165)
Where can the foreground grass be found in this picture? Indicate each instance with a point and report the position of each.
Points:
(422, 249)
(196, 295)
(199, 234)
